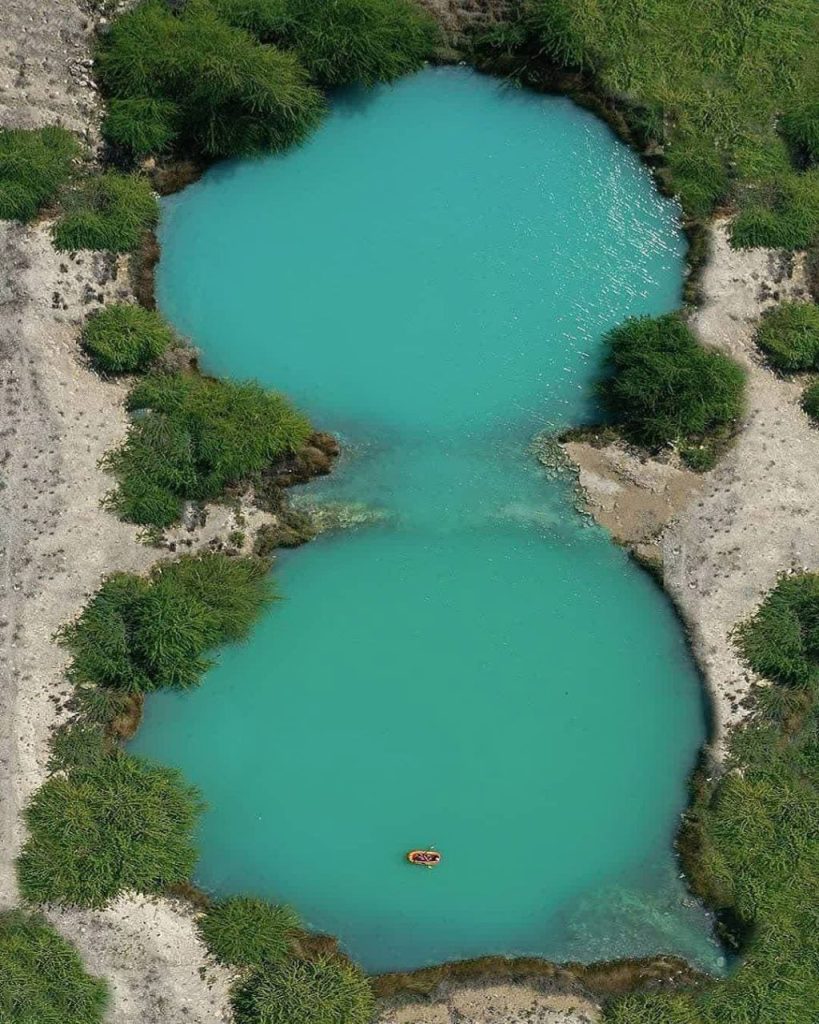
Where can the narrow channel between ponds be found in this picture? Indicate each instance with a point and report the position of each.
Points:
(481, 670)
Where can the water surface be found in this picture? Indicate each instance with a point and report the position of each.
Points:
(484, 671)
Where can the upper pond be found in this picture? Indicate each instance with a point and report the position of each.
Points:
(483, 671)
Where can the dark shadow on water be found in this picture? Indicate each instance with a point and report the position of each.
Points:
(354, 100)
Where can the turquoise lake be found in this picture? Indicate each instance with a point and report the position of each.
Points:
(482, 670)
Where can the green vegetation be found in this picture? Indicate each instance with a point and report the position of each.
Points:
(800, 126)
(717, 83)
(788, 334)
(107, 211)
(755, 854)
(188, 79)
(343, 41)
(138, 634)
(125, 338)
(248, 932)
(196, 437)
(781, 642)
(140, 126)
(322, 991)
(810, 401)
(34, 165)
(105, 823)
(663, 387)
(42, 980)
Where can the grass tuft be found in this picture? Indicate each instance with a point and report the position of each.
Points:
(138, 635)
(107, 211)
(195, 437)
(42, 980)
(788, 334)
(34, 166)
(124, 338)
(342, 42)
(106, 823)
(663, 387)
(810, 401)
(190, 80)
(247, 932)
(322, 991)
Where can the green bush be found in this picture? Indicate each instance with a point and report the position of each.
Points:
(34, 165)
(42, 980)
(248, 932)
(707, 80)
(663, 387)
(124, 338)
(215, 90)
(107, 823)
(196, 437)
(781, 642)
(810, 401)
(788, 334)
(108, 211)
(141, 126)
(323, 991)
(347, 41)
(137, 634)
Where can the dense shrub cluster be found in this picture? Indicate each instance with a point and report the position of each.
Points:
(663, 387)
(756, 830)
(231, 77)
(42, 980)
(279, 984)
(124, 338)
(194, 437)
(781, 642)
(107, 211)
(788, 334)
(327, 990)
(345, 41)
(139, 634)
(248, 932)
(105, 823)
(189, 79)
(34, 165)
(729, 91)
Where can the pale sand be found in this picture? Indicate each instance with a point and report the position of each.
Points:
(726, 536)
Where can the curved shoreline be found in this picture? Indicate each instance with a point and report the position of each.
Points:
(67, 417)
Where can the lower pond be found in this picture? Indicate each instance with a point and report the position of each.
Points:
(480, 670)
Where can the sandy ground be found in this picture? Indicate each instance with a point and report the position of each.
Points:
(57, 418)
(724, 537)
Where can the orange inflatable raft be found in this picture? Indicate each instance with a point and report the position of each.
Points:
(425, 858)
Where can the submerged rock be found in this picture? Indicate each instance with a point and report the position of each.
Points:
(339, 515)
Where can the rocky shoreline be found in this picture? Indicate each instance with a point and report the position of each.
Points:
(756, 513)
